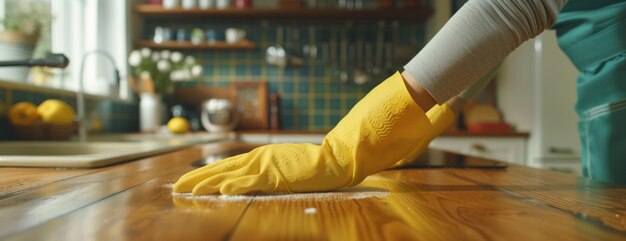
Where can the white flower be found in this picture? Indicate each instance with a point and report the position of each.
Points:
(190, 60)
(196, 70)
(185, 74)
(145, 75)
(145, 52)
(175, 76)
(164, 65)
(155, 57)
(177, 57)
(165, 54)
(134, 59)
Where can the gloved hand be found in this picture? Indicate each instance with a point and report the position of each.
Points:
(441, 117)
(381, 129)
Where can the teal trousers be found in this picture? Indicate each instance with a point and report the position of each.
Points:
(593, 35)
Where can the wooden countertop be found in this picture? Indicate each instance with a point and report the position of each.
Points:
(133, 201)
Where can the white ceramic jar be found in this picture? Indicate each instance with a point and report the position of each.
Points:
(222, 4)
(150, 112)
(168, 4)
(189, 4)
(205, 4)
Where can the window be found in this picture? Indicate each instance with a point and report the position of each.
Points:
(77, 27)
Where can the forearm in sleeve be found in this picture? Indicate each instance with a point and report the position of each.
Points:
(480, 35)
(478, 86)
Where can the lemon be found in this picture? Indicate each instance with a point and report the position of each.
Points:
(56, 112)
(23, 114)
(178, 125)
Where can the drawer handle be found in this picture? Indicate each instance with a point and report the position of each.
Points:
(479, 147)
(560, 150)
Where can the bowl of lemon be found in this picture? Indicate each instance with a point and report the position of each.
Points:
(51, 120)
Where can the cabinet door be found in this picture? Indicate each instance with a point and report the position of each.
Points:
(507, 149)
(555, 132)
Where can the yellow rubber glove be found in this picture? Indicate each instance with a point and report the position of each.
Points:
(441, 117)
(380, 130)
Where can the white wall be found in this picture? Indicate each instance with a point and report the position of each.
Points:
(555, 121)
(536, 92)
(514, 87)
(441, 15)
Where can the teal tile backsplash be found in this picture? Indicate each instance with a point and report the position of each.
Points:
(312, 97)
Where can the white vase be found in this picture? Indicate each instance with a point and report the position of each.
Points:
(167, 4)
(222, 4)
(150, 112)
(189, 4)
(204, 4)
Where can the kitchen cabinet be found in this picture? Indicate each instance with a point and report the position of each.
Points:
(536, 92)
(507, 148)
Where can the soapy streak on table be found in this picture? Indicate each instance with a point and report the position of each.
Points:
(133, 201)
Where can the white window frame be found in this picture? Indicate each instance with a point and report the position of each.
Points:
(82, 26)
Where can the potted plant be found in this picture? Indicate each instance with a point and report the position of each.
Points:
(152, 76)
(23, 25)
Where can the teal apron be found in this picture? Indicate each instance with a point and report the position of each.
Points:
(593, 34)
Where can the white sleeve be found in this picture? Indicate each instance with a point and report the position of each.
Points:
(479, 36)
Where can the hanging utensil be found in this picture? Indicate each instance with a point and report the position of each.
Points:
(377, 68)
(358, 74)
(310, 50)
(276, 55)
(343, 58)
(389, 51)
(335, 55)
(405, 51)
(369, 58)
(295, 59)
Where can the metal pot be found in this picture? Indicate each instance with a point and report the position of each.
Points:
(218, 115)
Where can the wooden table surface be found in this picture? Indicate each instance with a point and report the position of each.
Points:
(133, 201)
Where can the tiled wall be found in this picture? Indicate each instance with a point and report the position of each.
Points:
(115, 116)
(312, 97)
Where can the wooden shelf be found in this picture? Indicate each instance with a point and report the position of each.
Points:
(157, 11)
(186, 45)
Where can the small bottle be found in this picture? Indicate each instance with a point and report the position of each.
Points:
(211, 36)
(386, 4)
(274, 112)
(206, 4)
(181, 34)
(243, 4)
(189, 4)
(222, 4)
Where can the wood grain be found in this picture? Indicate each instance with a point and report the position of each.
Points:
(35, 206)
(421, 204)
(588, 201)
(133, 201)
(146, 212)
(17, 179)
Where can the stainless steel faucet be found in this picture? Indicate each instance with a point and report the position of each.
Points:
(80, 99)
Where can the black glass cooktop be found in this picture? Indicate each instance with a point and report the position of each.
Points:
(430, 159)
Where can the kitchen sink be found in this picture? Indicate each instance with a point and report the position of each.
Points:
(73, 154)
(98, 151)
(174, 139)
